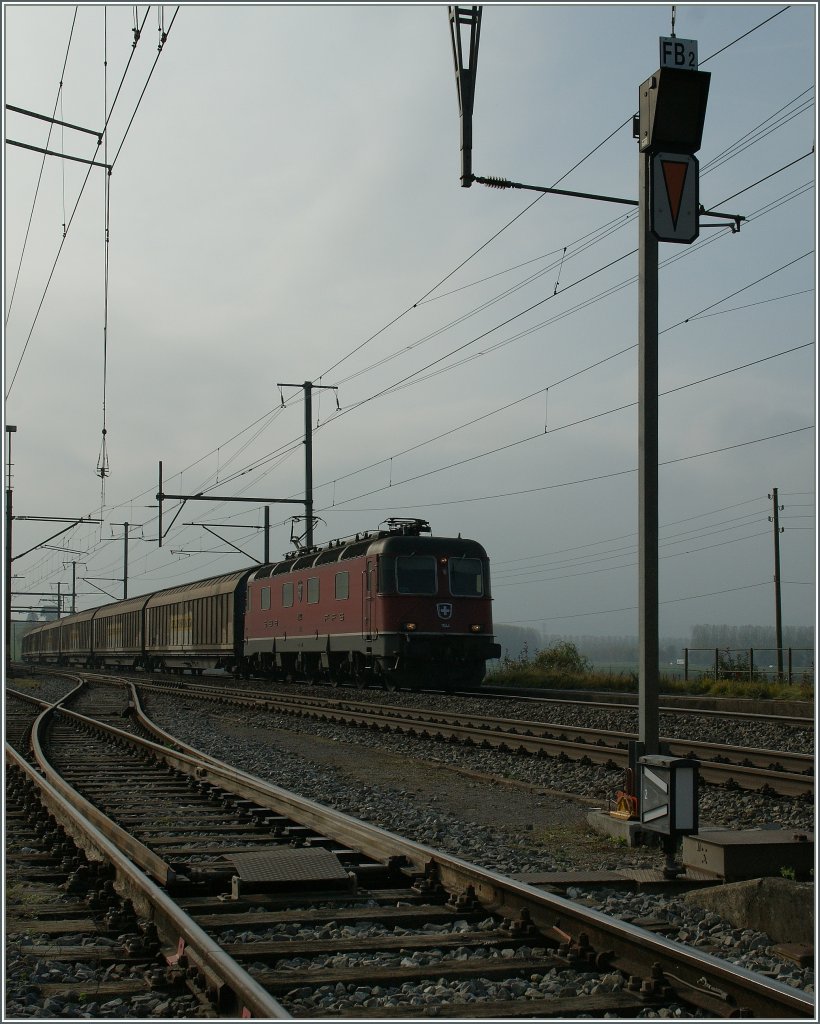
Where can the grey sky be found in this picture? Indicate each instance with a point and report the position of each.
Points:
(289, 188)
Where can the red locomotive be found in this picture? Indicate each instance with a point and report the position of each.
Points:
(390, 606)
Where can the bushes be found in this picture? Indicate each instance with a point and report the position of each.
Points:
(557, 665)
(563, 656)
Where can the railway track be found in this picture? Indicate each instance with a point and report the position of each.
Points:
(799, 713)
(269, 904)
(66, 929)
(796, 713)
(777, 771)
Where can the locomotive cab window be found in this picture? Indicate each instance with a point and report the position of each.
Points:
(466, 577)
(287, 595)
(416, 574)
(265, 598)
(342, 586)
(313, 590)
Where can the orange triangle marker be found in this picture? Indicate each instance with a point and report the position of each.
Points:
(674, 176)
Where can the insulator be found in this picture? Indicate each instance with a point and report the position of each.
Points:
(496, 182)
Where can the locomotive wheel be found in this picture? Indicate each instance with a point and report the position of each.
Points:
(387, 679)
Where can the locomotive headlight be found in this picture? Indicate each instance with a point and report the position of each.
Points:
(409, 626)
(475, 629)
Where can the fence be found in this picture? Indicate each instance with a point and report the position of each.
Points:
(743, 666)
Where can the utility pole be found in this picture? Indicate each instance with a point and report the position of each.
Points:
(308, 387)
(126, 527)
(124, 558)
(10, 429)
(648, 588)
(778, 621)
(671, 112)
(668, 127)
(73, 565)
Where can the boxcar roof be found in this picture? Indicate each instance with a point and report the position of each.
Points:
(41, 627)
(201, 588)
(131, 604)
(82, 616)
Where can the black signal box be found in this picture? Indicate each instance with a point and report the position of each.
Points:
(672, 110)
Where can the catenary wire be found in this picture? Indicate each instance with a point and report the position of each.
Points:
(42, 167)
(65, 232)
(751, 30)
(586, 480)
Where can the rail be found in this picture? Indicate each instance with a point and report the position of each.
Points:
(172, 923)
(656, 964)
(783, 772)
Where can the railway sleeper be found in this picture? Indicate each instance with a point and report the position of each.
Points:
(283, 981)
(595, 1007)
(286, 949)
(414, 915)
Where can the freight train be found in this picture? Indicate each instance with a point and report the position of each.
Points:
(390, 606)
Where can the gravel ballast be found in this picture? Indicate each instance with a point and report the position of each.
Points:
(436, 794)
(407, 785)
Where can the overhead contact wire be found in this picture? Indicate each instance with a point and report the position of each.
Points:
(68, 226)
(42, 166)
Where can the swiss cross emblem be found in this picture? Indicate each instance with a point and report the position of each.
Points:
(445, 610)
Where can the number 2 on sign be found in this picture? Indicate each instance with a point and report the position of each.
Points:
(679, 53)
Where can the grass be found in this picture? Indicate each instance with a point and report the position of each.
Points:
(27, 683)
(526, 674)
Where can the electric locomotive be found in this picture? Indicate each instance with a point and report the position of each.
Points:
(392, 606)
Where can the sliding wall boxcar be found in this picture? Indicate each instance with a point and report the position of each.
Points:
(118, 633)
(44, 642)
(32, 644)
(76, 637)
(197, 625)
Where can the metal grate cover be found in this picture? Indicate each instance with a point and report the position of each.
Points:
(290, 866)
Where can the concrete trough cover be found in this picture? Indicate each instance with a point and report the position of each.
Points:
(752, 853)
(283, 866)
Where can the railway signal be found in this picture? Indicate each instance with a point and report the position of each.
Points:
(671, 112)
(669, 129)
(672, 109)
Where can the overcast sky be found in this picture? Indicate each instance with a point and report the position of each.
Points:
(285, 207)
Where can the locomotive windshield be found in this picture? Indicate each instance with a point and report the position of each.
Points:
(416, 574)
(466, 577)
